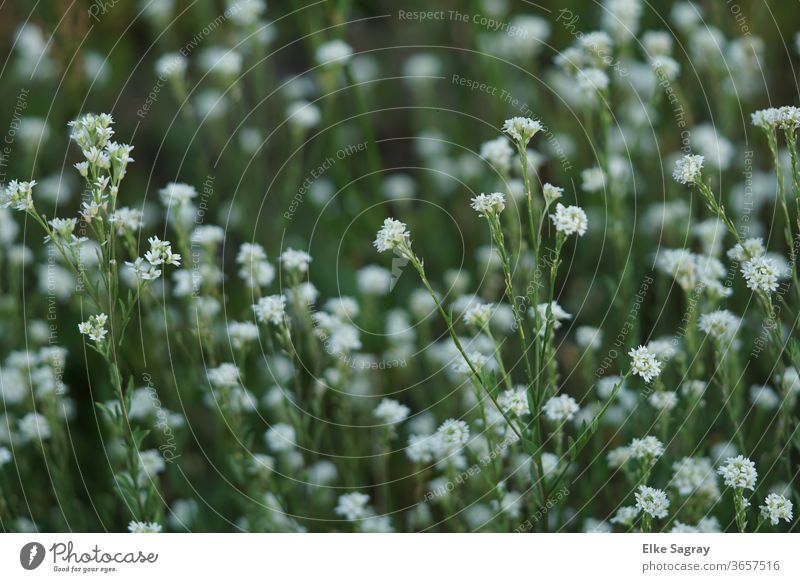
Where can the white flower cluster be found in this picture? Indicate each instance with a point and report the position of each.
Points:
(772, 118)
(489, 205)
(644, 364)
(739, 473)
(693, 271)
(777, 507)
(271, 309)
(254, 269)
(393, 235)
(762, 274)
(391, 411)
(560, 408)
(95, 327)
(721, 324)
(688, 169)
(647, 449)
(570, 220)
(522, 129)
(514, 402)
(652, 501)
(18, 195)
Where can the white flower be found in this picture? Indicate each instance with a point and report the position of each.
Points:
(391, 411)
(221, 61)
(626, 515)
(522, 129)
(295, 260)
(353, 506)
(589, 337)
(175, 195)
(551, 193)
(478, 315)
(594, 179)
(593, 80)
(663, 401)
(652, 501)
(688, 169)
(514, 402)
(334, 52)
(271, 309)
(646, 449)
(560, 408)
(476, 359)
(5, 456)
(392, 235)
(303, 115)
(171, 66)
(764, 397)
(761, 274)
(694, 475)
(374, 280)
(33, 426)
(644, 364)
(18, 195)
(748, 249)
(489, 204)
(161, 253)
(498, 153)
(95, 327)
(570, 220)
(665, 67)
(225, 375)
(739, 472)
(453, 434)
(280, 437)
(720, 324)
(144, 527)
(776, 507)
(618, 457)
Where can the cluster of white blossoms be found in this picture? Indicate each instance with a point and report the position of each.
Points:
(739, 473)
(95, 327)
(334, 52)
(18, 195)
(160, 253)
(775, 508)
(570, 220)
(391, 411)
(498, 153)
(489, 205)
(478, 315)
(695, 475)
(271, 309)
(453, 434)
(144, 527)
(762, 274)
(688, 169)
(749, 248)
(653, 502)
(255, 270)
(647, 449)
(772, 118)
(644, 363)
(474, 360)
(721, 324)
(522, 129)
(694, 271)
(295, 261)
(560, 408)
(551, 193)
(353, 506)
(393, 235)
(514, 401)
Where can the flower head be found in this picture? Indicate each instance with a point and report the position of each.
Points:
(761, 274)
(522, 129)
(644, 363)
(295, 260)
(95, 327)
(647, 449)
(652, 501)
(739, 472)
(353, 506)
(570, 220)
(561, 408)
(720, 324)
(18, 195)
(391, 411)
(392, 235)
(271, 309)
(688, 169)
(776, 507)
(489, 205)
